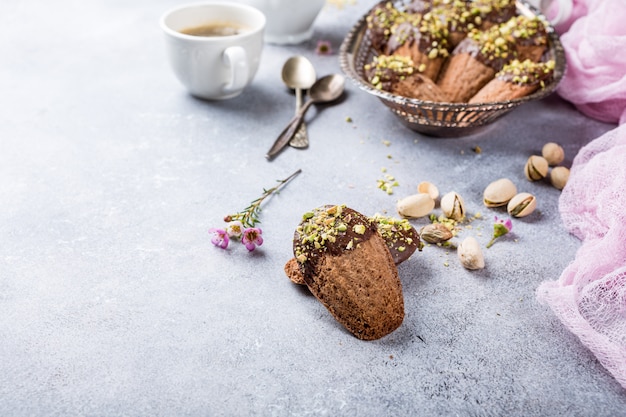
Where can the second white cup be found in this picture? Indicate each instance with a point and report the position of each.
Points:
(288, 21)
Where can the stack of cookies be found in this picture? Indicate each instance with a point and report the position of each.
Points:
(450, 50)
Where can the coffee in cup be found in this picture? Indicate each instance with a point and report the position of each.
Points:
(216, 29)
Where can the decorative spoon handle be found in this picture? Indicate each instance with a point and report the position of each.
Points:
(300, 139)
(286, 135)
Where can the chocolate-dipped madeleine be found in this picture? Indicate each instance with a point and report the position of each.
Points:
(379, 22)
(346, 265)
(459, 17)
(474, 62)
(397, 74)
(424, 41)
(517, 79)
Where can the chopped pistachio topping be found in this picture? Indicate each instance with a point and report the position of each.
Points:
(384, 17)
(495, 43)
(394, 231)
(388, 67)
(524, 27)
(527, 71)
(321, 227)
(359, 229)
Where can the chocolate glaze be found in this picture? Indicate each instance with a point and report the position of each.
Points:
(527, 73)
(403, 33)
(379, 22)
(427, 33)
(385, 71)
(495, 11)
(529, 31)
(401, 238)
(309, 250)
(477, 47)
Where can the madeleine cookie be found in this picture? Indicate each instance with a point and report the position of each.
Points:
(516, 80)
(347, 266)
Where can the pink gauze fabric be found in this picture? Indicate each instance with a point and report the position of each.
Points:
(590, 296)
(595, 79)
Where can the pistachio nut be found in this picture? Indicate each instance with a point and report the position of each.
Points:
(536, 168)
(553, 153)
(559, 177)
(453, 206)
(435, 233)
(499, 192)
(428, 188)
(522, 205)
(416, 205)
(470, 254)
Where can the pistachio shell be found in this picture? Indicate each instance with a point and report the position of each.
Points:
(453, 206)
(470, 254)
(559, 177)
(499, 192)
(522, 205)
(428, 188)
(553, 153)
(536, 168)
(416, 205)
(435, 233)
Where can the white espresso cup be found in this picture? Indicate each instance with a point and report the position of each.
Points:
(214, 47)
(288, 21)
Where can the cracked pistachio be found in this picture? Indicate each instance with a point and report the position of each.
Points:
(536, 168)
(435, 233)
(416, 205)
(428, 188)
(453, 206)
(553, 153)
(559, 177)
(499, 192)
(470, 254)
(522, 205)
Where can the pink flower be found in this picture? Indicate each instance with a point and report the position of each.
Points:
(234, 229)
(500, 228)
(323, 48)
(508, 224)
(252, 238)
(219, 238)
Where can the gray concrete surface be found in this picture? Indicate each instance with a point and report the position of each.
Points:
(113, 302)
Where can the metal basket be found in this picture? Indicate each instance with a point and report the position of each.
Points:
(433, 118)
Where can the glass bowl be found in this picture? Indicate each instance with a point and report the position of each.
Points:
(434, 118)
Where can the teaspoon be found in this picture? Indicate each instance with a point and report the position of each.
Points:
(298, 73)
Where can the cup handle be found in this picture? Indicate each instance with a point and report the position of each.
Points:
(235, 58)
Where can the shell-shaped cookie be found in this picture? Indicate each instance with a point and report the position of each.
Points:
(346, 265)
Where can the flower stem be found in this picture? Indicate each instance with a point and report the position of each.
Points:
(249, 216)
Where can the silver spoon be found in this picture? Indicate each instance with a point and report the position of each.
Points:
(298, 73)
(325, 90)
